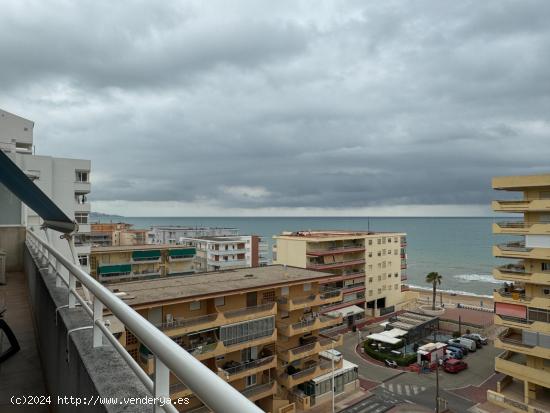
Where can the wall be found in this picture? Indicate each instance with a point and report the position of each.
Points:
(12, 238)
(88, 372)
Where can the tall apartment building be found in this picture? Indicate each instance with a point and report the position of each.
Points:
(131, 262)
(224, 252)
(171, 234)
(367, 267)
(522, 305)
(257, 328)
(67, 181)
(113, 234)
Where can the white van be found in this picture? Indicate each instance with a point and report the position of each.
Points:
(469, 344)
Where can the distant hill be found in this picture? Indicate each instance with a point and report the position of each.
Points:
(95, 216)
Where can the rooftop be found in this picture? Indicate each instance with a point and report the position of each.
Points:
(218, 238)
(327, 235)
(215, 283)
(143, 247)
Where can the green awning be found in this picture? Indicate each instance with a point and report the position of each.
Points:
(114, 269)
(182, 252)
(145, 255)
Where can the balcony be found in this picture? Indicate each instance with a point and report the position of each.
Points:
(515, 365)
(332, 265)
(82, 187)
(308, 325)
(521, 205)
(308, 373)
(518, 273)
(312, 300)
(520, 251)
(259, 391)
(511, 295)
(336, 250)
(228, 252)
(353, 288)
(228, 263)
(247, 369)
(522, 323)
(82, 207)
(180, 326)
(511, 396)
(322, 344)
(521, 228)
(511, 339)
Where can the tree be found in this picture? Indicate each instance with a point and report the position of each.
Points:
(434, 278)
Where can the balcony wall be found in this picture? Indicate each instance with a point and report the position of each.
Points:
(518, 273)
(521, 205)
(291, 304)
(519, 370)
(297, 353)
(89, 372)
(521, 228)
(518, 250)
(511, 340)
(306, 326)
(539, 326)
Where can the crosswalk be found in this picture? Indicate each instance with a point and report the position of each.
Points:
(373, 404)
(403, 389)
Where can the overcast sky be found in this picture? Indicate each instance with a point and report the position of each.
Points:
(284, 107)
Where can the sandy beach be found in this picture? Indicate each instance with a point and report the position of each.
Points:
(453, 299)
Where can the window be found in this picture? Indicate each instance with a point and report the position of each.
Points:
(307, 287)
(396, 275)
(81, 217)
(370, 267)
(546, 291)
(284, 291)
(83, 259)
(378, 241)
(370, 254)
(545, 266)
(247, 331)
(395, 286)
(370, 242)
(219, 301)
(268, 296)
(82, 176)
(195, 305)
(250, 380)
(379, 278)
(370, 279)
(379, 291)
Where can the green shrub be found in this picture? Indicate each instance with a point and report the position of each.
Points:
(404, 360)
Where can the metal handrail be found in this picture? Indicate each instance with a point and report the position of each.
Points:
(215, 392)
(230, 371)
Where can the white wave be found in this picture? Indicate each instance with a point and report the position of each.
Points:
(466, 278)
(457, 292)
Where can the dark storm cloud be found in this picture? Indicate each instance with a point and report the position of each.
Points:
(286, 104)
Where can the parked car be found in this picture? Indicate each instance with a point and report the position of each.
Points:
(461, 350)
(454, 366)
(453, 354)
(477, 340)
(483, 339)
(391, 363)
(466, 343)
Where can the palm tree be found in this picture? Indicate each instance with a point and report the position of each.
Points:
(434, 278)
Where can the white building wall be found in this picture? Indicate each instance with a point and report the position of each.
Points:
(537, 241)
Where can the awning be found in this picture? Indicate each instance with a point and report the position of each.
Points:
(31, 195)
(114, 269)
(145, 255)
(384, 339)
(182, 252)
(351, 310)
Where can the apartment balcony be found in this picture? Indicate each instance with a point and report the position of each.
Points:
(308, 373)
(227, 264)
(511, 339)
(336, 250)
(308, 325)
(518, 273)
(512, 296)
(332, 265)
(322, 344)
(312, 300)
(353, 288)
(404, 276)
(82, 187)
(521, 205)
(521, 228)
(228, 252)
(403, 265)
(522, 323)
(259, 391)
(515, 365)
(520, 251)
(82, 207)
(404, 287)
(180, 326)
(512, 398)
(247, 369)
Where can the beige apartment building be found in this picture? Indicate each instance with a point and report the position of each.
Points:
(116, 234)
(132, 262)
(522, 305)
(258, 328)
(368, 268)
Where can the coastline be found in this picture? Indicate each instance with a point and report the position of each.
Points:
(451, 297)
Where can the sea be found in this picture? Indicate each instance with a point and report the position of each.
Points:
(457, 248)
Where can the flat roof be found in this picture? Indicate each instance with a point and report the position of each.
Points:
(327, 235)
(143, 247)
(218, 238)
(214, 283)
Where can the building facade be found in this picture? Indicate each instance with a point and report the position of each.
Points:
(66, 181)
(225, 252)
(140, 262)
(114, 234)
(171, 234)
(522, 305)
(257, 328)
(369, 268)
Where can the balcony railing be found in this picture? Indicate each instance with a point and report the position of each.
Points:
(328, 265)
(169, 357)
(514, 295)
(336, 250)
(252, 391)
(514, 268)
(513, 224)
(249, 310)
(514, 246)
(243, 367)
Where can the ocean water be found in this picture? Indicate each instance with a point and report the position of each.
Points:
(457, 248)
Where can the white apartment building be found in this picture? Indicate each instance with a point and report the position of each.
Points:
(65, 181)
(171, 234)
(226, 252)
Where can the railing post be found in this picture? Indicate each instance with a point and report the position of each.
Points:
(98, 318)
(72, 287)
(161, 387)
(58, 280)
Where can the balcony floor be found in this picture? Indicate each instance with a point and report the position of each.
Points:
(22, 373)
